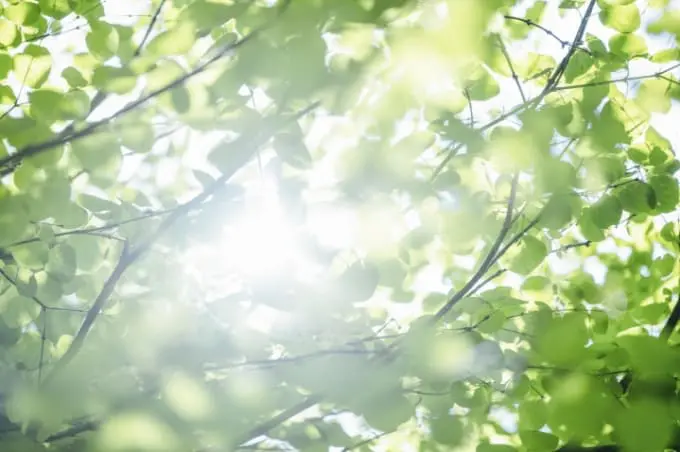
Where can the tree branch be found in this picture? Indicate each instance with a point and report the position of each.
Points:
(491, 257)
(129, 256)
(550, 86)
(578, 38)
(154, 18)
(11, 161)
(104, 294)
(274, 421)
(672, 321)
(660, 74)
(531, 23)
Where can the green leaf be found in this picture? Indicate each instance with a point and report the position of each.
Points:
(665, 265)
(535, 440)
(206, 14)
(482, 86)
(666, 23)
(532, 253)
(42, 103)
(177, 41)
(73, 77)
(102, 40)
(622, 18)
(180, 99)
(99, 154)
(657, 156)
(637, 197)
(563, 341)
(671, 167)
(136, 132)
(292, 150)
(31, 255)
(19, 313)
(5, 66)
(164, 73)
(61, 262)
(616, 2)
(8, 336)
(532, 64)
(533, 414)
(388, 412)
(649, 356)
(555, 176)
(669, 234)
(57, 9)
(666, 192)
(33, 66)
(492, 324)
(653, 96)
(75, 105)
(535, 283)
(665, 56)
(645, 425)
(520, 30)
(448, 430)
(9, 33)
(578, 65)
(606, 212)
(137, 431)
(357, 283)
(486, 447)
(557, 212)
(628, 45)
(596, 46)
(114, 79)
(23, 13)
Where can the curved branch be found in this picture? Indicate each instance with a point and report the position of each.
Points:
(11, 161)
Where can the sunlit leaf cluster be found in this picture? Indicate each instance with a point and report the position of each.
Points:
(321, 225)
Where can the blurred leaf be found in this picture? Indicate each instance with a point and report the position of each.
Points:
(33, 66)
(624, 18)
(637, 197)
(532, 253)
(292, 150)
(23, 13)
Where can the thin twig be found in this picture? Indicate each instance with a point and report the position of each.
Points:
(578, 38)
(488, 260)
(549, 32)
(97, 230)
(43, 339)
(659, 74)
(147, 33)
(672, 321)
(506, 55)
(79, 339)
(275, 421)
(130, 255)
(368, 440)
(550, 86)
(14, 283)
(571, 246)
(13, 159)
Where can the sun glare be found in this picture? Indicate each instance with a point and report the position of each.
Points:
(261, 243)
(262, 240)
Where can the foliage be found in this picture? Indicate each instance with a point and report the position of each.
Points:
(368, 225)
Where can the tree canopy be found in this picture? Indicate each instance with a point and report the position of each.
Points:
(373, 225)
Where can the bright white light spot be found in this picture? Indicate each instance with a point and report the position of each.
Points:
(263, 318)
(333, 226)
(260, 244)
(596, 268)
